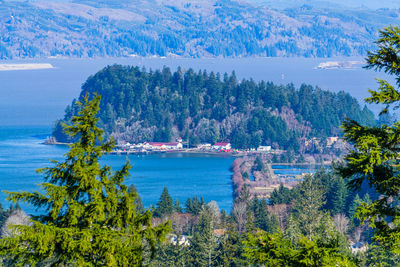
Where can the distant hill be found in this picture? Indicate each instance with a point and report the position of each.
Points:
(343, 4)
(198, 28)
(138, 106)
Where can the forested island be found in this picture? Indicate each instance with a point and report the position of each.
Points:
(206, 107)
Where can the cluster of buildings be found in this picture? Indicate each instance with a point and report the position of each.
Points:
(151, 146)
(174, 146)
(179, 146)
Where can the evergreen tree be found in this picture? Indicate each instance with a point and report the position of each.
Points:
(375, 153)
(3, 216)
(307, 207)
(353, 209)
(194, 205)
(292, 230)
(138, 200)
(204, 244)
(339, 195)
(258, 164)
(172, 254)
(165, 205)
(89, 216)
(177, 206)
(262, 219)
(230, 248)
(281, 196)
(273, 250)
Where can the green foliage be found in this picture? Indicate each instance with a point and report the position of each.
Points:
(353, 209)
(258, 164)
(378, 255)
(194, 205)
(339, 193)
(204, 244)
(165, 205)
(177, 206)
(172, 254)
(230, 249)
(275, 250)
(3, 216)
(268, 249)
(375, 153)
(138, 200)
(138, 105)
(90, 218)
(308, 207)
(282, 195)
(262, 219)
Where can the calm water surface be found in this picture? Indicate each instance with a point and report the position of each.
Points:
(185, 175)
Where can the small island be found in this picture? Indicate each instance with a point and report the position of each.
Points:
(27, 66)
(339, 65)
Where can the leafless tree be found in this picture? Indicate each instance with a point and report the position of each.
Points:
(239, 213)
(18, 217)
(341, 222)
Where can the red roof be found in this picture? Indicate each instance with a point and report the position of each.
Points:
(161, 144)
(221, 144)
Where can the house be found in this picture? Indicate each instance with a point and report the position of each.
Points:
(331, 140)
(222, 146)
(204, 146)
(164, 146)
(219, 232)
(264, 148)
(180, 240)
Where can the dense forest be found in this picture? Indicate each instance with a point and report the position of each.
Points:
(201, 107)
(208, 28)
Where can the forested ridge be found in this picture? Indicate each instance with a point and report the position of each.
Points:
(206, 107)
(207, 28)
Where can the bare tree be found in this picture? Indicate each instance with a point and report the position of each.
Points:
(341, 222)
(239, 213)
(18, 217)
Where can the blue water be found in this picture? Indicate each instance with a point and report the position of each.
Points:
(296, 169)
(185, 175)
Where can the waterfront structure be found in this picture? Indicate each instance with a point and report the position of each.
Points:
(163, 146)
(204, 146)
(264, 148)
(222, 146)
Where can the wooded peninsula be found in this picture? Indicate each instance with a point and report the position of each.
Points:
(139, 105)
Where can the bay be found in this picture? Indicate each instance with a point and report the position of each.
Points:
(185, 175)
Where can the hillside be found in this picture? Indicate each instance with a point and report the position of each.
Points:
(200, 28)
(138, 106)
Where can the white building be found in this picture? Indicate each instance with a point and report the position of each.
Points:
(204, 146)
(222, 146)
(164, 146)
(264, 148)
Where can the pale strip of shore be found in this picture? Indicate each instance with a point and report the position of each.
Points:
(26, 66)
(340, 64)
